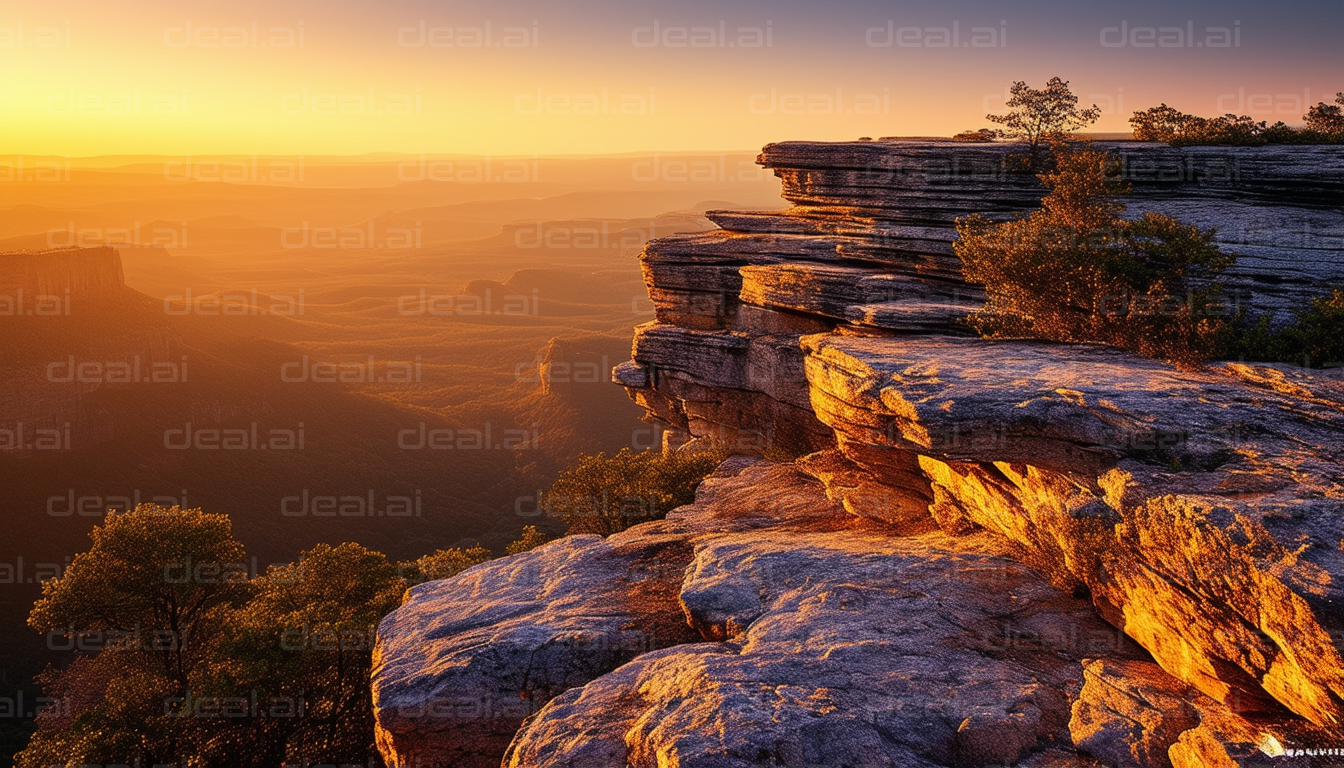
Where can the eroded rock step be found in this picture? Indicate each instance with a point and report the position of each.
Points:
(1202, 511)
(821, 639)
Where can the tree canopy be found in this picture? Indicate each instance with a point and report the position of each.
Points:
(1041, 116)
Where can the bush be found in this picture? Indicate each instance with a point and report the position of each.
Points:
(984, 134)
(1324, 125)
(1076, 271)
(530, 540)
(1314, 338)
(444, 563)
(1327, 118)
(607, 494)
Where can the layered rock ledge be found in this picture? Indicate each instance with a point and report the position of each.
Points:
(985, 552)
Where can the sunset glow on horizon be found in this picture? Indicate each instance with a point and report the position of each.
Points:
(83, 78)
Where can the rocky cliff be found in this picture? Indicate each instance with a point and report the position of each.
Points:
(59, 272)
(71, 331)
(989, 552)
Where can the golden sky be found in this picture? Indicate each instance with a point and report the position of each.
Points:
(88, 77)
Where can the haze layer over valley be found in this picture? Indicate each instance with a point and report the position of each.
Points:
(394, 350)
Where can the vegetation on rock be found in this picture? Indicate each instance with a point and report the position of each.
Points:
(1323, 124)
(1041, 117)
(607, 494)
(530, 540)
(444, 563)
(1077, 271)
(1314, 339)
(984, 134)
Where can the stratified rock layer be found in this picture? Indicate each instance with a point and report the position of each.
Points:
(1201, 511)
(985, 553)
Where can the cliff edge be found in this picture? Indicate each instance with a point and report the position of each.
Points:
(989, 552)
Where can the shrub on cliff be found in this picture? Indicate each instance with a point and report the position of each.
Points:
(1040, 117)
(1075, 270)
(444, 563)
(1315, 337)
(1327, 118)
(1324, 124)
(984, 134)
(607, 494)
(531, 538)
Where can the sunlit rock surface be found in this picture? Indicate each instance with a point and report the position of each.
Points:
(959, 552)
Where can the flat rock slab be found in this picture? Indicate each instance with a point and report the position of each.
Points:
(1201, 509)
(464, 660)
(843, 646)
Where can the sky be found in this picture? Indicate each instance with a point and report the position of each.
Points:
(89, 77)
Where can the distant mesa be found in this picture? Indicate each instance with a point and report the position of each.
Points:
(84, 271)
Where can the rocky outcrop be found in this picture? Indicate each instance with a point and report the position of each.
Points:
(1199, 510)
(71, 331)
(83, 271)
(962, 551)
(479, 653)
(821, 639)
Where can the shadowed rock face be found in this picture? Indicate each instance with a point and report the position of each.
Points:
(989, 552)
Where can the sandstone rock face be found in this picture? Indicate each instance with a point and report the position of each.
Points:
(960, 552)
(1154, 489)
(1201, 511)
(460, 666)
(822, 640)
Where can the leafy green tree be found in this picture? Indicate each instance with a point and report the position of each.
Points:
(152, 597)
(303, 650)
(1075, 270)
(1043, 116)
(187, 660)
(607, 494)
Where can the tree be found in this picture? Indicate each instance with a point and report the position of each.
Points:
(161, 578)
(151, 598)
(1043, 116)
(531, 539)
(1076, 271)
(186, 655)
(303, 648)
(1327, 118)
(606, 494)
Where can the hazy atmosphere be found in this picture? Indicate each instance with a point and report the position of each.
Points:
(639, 385)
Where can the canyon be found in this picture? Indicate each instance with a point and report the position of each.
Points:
(932, 549)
